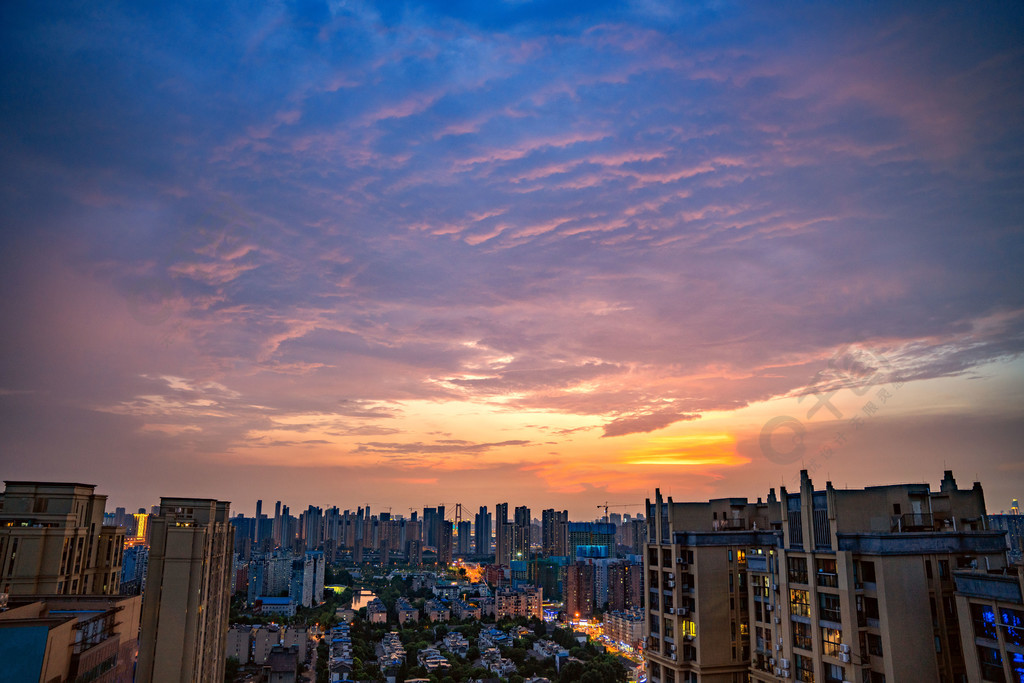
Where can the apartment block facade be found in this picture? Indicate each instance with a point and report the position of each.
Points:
(188, 592)
(830, 585)
(53, 541)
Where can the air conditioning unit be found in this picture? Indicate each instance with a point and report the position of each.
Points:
(768, 608)
(771, 661)
(680, 560)
(671, 610)
(777, 620)
(844, 657)
(778, 672)
(843, 647)
(682, 611)
(778, 647)
(784, 663)
(775, 587)
(780, 640)
(785, 673)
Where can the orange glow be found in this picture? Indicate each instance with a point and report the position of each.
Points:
(688, 451)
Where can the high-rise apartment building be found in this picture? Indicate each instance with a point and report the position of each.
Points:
(430, 527)
(465, 533)
(591, 534)
(188, 592)
(502, 535)
(444, 543)
(553, 531)
(579, 590)
(482, 531)
(53, 541)
(990, 607)
(814, 585)
(521, 534)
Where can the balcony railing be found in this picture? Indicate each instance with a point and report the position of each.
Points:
(913, 521)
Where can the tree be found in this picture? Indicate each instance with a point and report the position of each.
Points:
(231, 668)
(571, 672)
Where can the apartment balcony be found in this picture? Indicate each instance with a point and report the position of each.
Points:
(913, 521)
(730, 525)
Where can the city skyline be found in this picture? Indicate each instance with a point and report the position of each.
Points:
(350, 255)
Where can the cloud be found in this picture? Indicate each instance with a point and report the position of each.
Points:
(637, 424)
(350, 222)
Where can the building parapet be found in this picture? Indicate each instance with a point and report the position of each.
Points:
(754, 537)
(1000, 587)
(923, 543)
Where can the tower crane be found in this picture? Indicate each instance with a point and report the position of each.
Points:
(607, 505)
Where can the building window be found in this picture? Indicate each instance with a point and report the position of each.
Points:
(831, 639)
(799, 602)
(928, 567)
(834, 673)
(1014, 622)
(804, 668)
(984, 620)
(867, 572)
(802, 635)
(829, 605)
(797, 569)
(991, 664)
(874, 645)
(827, 575)
(943, 569)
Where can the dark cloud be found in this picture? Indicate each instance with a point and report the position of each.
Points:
(638, 424)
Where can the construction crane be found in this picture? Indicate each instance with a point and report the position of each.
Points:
(607, 505)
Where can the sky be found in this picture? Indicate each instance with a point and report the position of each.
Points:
(551, 253)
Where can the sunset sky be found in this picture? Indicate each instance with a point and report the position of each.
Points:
(549, 253)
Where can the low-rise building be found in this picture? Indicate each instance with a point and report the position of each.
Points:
(339, 657)
(494, 637)
(239, 643)
(626, 628)
(393, 653)
(432, 660)
(465, 610)
(284, 607)
(282, 665)
(520, 602)
(436, 610)
(69, 637)
(406, 612)
(457, 644)
(377, 612)
(264, 638)
(297, 637)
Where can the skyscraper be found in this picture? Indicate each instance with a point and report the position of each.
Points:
(502, 535)
(188, 590)
(553, 531)
(579, 590)
(444, 543)
(465, 545)
(482, 527)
